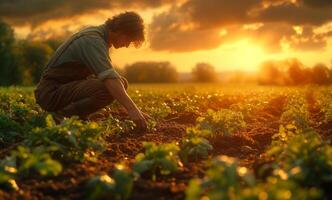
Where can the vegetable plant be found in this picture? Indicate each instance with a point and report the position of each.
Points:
(222, 122)
(305, 158)
(162, 158)
(72, 139)
(225, 179)
(117, 186)
(194, 147)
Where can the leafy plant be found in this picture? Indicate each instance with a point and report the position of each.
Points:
(161, 159)
(194, 147)
(296, 112)
(37, 159)
(118, 187)
(324, 99)
(100, 187)
(114, 125)
(284, 135)
(8, 173)
(223, 122)
(10, 130)
(305, 158)
(25, 162)
(157, 112)
(72, 139)
(225, 179)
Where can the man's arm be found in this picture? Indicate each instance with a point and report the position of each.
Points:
(118, 92)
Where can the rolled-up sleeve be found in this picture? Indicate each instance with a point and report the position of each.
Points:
(93, 52)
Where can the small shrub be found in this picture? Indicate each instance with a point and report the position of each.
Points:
(117, 187)
(223, 122)
(72, 139)
(161, 159)
(194, 148)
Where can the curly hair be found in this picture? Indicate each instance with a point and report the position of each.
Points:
(129, 23)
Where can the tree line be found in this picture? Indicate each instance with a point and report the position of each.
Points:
(293, 72)
(22, 63)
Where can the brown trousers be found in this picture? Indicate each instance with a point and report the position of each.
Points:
(67, 90)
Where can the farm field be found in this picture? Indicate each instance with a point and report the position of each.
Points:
(206, 141)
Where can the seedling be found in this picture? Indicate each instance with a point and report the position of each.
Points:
(194, 148)
(161, 159)
(223, 122)
(118, 186)
(73, 139)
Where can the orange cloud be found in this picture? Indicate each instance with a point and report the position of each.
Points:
(276, 18)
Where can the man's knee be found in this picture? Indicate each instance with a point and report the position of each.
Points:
(96, 90)
(101, 93)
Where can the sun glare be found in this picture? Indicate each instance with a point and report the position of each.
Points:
(242, 55)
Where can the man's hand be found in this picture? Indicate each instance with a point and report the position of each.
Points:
(138, 118)
(118, 92)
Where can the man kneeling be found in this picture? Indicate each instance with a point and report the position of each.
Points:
(65, 87)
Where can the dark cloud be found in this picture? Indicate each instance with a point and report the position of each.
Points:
(219, 12)
(173, 30)
(294, 14)
(318, 3)
(38, 11)
(278, 17)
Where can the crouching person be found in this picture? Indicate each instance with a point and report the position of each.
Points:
(65, 88)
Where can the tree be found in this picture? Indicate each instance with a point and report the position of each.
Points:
(270, 73)
(297, 73)
(204, 72)
(151, 72)
(33, 57)
(10, 72)
(321, 74)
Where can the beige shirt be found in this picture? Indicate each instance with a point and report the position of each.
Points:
(90, 47)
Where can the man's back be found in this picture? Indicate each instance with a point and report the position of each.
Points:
(87, 47)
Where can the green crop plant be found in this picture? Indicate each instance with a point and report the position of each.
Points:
(222, 122)
(225, 179)
(26, 162)
(161, 159)
(8, 173)
(296, 112)
(10, 130)
(115, 126)
(73, 139)
(324, 99)
(157, 110)
(37, 159)
(305, 158)
(117, 186)
(194, 147)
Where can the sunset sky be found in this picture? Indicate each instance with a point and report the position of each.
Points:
(229, 34)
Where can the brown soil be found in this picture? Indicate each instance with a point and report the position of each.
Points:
(317, 118)
(247, 145)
